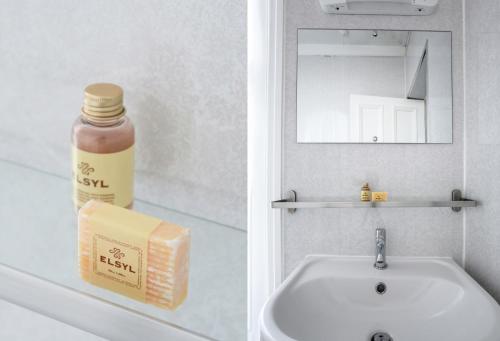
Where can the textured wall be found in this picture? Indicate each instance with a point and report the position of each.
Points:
(483, 142)
(182, 66)
(333, 170)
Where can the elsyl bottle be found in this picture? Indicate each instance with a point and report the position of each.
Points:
(103, 148)
(365, 193)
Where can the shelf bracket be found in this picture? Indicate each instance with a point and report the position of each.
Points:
(291, 196)
(456, 195)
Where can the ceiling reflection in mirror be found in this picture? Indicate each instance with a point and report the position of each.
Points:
(374, 86)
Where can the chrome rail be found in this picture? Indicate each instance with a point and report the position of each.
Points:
(456, 204)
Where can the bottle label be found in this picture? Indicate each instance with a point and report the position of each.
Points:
(105, 177)
(365, 195)
(119, 250)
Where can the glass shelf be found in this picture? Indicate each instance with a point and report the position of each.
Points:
(38, 235)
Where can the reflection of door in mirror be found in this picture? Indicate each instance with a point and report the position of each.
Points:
(367, 86)
(387, 120)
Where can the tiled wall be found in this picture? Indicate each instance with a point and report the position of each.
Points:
(182, 66)
(482, 149)
(333, 170)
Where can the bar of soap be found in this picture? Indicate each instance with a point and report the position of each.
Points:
(133, 254)
(379, 196)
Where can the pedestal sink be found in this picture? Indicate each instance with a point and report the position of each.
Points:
(330, 298)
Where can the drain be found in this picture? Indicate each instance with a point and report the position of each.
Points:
(381, 336)
(380, 288)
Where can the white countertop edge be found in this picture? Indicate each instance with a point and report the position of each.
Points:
(84, 311)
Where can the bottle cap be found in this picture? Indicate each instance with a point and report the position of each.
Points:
(103, 101)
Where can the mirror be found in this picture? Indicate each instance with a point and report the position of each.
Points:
(374, 86)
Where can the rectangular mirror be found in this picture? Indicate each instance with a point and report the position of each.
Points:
(374, 86)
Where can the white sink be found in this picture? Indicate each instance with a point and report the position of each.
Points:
(335, 299)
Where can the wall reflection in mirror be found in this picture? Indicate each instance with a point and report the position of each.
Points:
(374, 86)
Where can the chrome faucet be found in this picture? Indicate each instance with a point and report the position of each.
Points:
(380, 263)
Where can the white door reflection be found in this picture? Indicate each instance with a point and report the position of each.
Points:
(387, 119)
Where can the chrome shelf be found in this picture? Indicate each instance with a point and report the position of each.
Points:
(456, 203)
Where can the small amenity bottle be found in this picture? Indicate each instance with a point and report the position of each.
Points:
(365, 193)
(103, 149)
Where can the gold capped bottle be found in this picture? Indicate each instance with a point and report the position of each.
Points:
(365, 193)
(103, 149)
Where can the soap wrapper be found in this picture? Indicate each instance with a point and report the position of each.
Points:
(133, 254)
(379, 196)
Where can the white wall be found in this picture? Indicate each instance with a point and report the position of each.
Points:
(182, 66)
(439, 99)
(333, 170)
(414, 50)
(439, 74)
(482, 149)
(325, 85)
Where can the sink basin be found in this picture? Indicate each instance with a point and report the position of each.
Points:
(346, 299)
